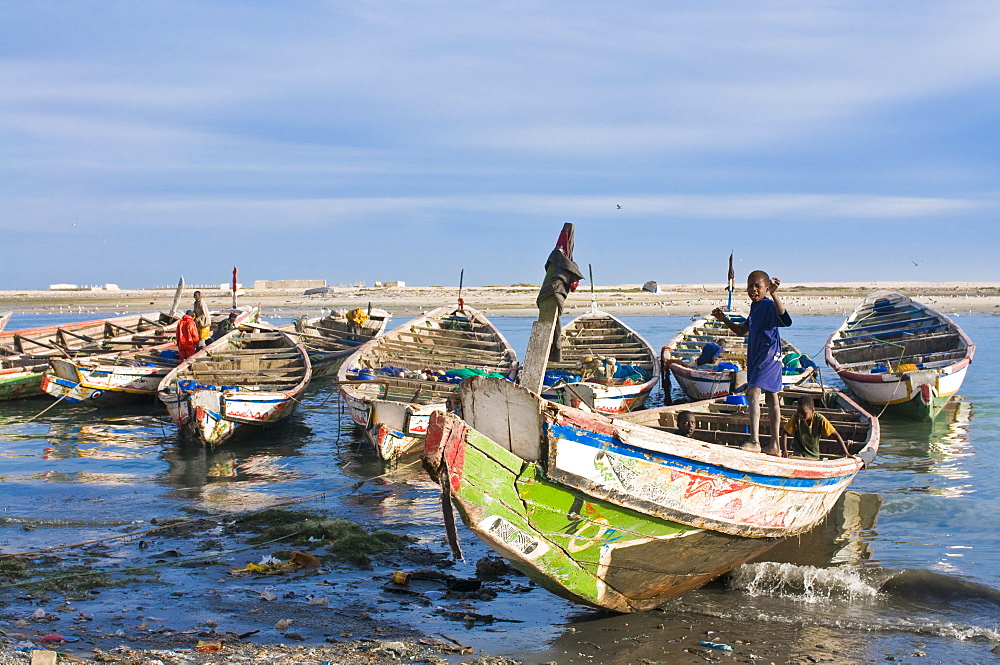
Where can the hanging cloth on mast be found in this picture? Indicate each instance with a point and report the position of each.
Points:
(562, 276)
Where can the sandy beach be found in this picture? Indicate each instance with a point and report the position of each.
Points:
(627, 299)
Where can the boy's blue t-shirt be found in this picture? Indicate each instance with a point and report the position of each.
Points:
(764, 345)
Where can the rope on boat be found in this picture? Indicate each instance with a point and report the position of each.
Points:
(59, 399)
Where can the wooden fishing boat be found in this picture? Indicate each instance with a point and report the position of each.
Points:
(603, 363)
(615, 514)
(679, 355)
(901, 355)
(25, 354)
(247, 379)
(4, 318)
(394, 382)
(118, 378)
(723, 420)
(331, 339)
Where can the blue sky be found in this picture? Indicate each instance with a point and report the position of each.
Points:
(381, 140)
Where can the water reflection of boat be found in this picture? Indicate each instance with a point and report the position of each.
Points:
(238, 477)
(840, 539)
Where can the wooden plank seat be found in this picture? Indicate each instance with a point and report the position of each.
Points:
(891, 352)
(442, 340)
(915, 322)
(422, 363)
(869, 316)
(257, 354)
(916, 359)
(488, 356)
(847, 342)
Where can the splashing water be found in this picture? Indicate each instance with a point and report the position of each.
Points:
(806, 583)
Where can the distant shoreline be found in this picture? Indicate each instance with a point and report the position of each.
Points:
(816, 298)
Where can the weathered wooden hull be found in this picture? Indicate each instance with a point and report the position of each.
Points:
(393, 412)
(213, 417)
(18, 383)
(578, 547)
(598, 333)
(98, 336)
(700, 384)
(330, 341)
(265, 372)
(666, 513)
(900, 355)
(102, 386)
(33, 348)
(4, 318)
(118, 378)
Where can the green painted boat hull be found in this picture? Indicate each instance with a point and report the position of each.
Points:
(20, 384)
(917, 408)
(583, 549)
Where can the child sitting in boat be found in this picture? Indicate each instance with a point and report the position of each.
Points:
(806, 428)
(686, 424)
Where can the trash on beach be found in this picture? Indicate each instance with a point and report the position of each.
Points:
(268, 565)
(715, 645)
(44, 657)
(322, 602)
(304, 559)
(267, 595)
(401, 578)
(39, 614)
(206, 646)
(283, 624)
(52, 638)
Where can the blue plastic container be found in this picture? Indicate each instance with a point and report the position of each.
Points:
(740, 400)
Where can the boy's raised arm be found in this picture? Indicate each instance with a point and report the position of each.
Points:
(772, 288)
(738, 328)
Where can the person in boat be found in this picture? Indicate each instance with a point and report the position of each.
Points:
(710, 356)
(224, 327)
(686, 424)
(187, 336)
(767, 314)
(806, 428)
(202, 319)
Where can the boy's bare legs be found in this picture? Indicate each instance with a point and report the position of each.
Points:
(774, 419)
(753, 397)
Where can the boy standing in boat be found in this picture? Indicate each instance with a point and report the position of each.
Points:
(767, 314)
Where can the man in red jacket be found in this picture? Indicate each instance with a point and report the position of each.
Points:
(187, 336)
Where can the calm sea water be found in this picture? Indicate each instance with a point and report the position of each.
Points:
(908, 564)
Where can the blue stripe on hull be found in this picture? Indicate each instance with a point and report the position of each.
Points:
(613, 444)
